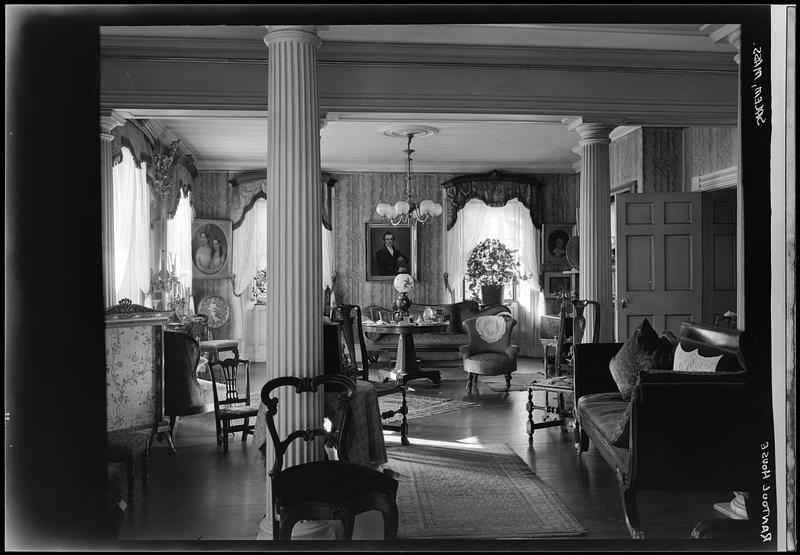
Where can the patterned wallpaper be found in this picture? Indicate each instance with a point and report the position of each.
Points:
(625, 159)
(666, 159)
(708, 149)
(355, 198)
(662, 154)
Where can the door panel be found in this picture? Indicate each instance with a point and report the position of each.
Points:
(660, 260)
(719, 260)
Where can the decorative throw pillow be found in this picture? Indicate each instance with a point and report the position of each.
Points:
(659, 359)
(693, 361)
(643, 349)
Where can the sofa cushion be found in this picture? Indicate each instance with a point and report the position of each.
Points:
(604, 410)
(644, 349)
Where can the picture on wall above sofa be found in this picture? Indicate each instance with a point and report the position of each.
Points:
(389, 248)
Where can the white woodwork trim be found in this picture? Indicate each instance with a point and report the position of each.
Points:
(345, 166)
(244, 51)
(721, 179)
(623, 131)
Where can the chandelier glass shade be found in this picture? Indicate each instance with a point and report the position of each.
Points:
(409, 210)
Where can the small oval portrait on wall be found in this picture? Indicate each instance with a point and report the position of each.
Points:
(209, 249)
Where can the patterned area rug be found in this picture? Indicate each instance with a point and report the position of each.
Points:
(419, 405)
(486, 493)
(519, 382)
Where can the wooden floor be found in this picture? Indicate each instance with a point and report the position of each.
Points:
(199, 493)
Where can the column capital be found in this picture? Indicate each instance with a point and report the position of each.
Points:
(109, 119)
(292, 33)
(591, 132)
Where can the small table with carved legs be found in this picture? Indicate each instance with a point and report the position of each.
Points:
(557, 414)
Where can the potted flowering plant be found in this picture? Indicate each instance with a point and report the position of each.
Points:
(490, 266)
(259, 289)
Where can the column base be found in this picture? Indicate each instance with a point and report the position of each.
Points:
(734, 509)
(304, 530)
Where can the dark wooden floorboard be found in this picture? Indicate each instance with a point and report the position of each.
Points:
(199, 493)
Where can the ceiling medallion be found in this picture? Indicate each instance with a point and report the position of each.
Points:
(403, 131)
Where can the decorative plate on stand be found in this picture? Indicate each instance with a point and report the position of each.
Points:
(217, 310)
(572, 252)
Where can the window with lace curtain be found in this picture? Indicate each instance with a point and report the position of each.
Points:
(179, 248)
(131, 198)
(512, 225)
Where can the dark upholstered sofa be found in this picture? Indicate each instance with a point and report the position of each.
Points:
(439, 347)
(686, 431)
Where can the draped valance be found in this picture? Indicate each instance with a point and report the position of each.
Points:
(132, 137)
(246, 189)
(250, 186)
(495, 189)
(184, 173)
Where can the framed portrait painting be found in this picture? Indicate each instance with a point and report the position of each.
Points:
(389, 248)
(554, 239)
(211, 248)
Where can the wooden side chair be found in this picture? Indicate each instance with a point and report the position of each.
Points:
(326, 489)
(349, 318)
(490, 352)
(236, 405)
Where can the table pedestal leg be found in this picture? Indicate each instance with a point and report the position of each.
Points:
(407, 367)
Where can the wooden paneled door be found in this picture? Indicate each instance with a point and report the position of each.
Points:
(659, 261)
(719, 254)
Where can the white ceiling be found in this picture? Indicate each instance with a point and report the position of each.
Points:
(464, 143)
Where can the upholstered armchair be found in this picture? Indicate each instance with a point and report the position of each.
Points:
(489, 352)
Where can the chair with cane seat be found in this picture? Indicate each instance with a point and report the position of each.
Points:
(323, 489)
(235, 405)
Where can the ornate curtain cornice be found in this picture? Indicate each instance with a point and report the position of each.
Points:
(247, 188)
(132, 137)
(184, 173)
(494, 188)
(250, 186)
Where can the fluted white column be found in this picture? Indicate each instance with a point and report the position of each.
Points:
(594, 226)
(294, 239)
(107, 123)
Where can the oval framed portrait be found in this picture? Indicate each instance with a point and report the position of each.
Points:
(211, 248)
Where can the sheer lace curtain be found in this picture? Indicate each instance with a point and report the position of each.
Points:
(512, 225)
(131, 216)
(327, 262)
(179, 246)
(249, 254)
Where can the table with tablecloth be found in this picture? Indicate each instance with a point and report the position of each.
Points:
(365, 443)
